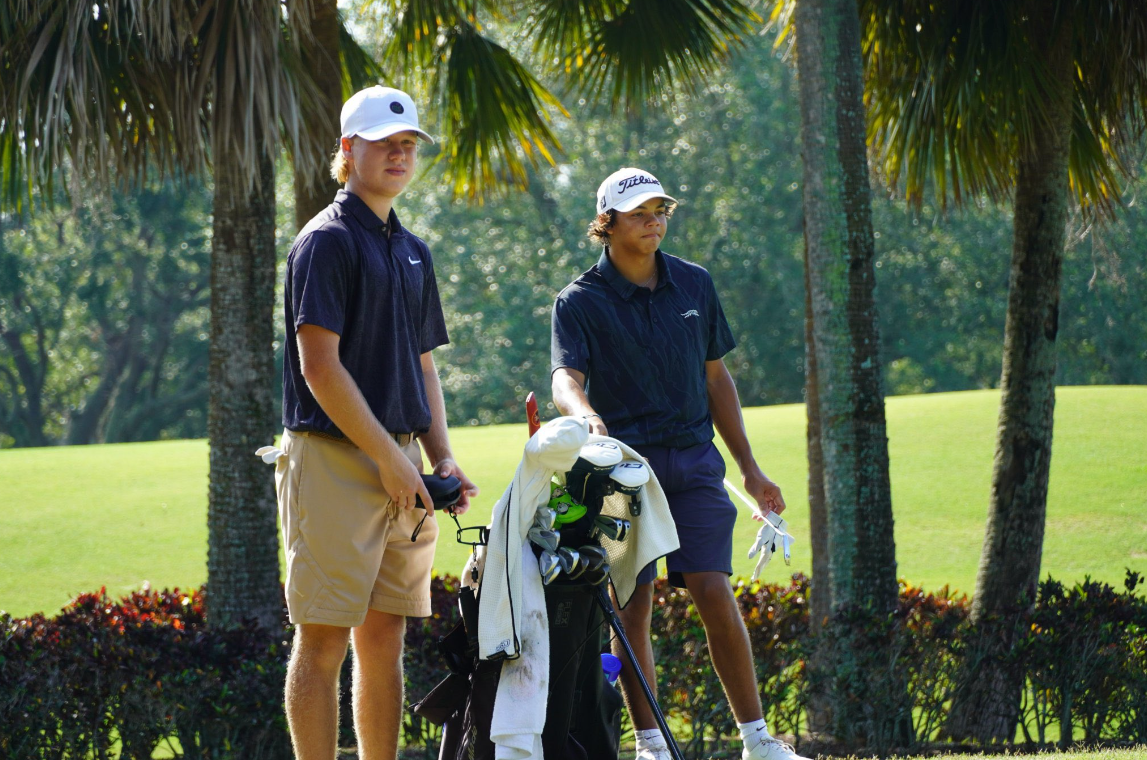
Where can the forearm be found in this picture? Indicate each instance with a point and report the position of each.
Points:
(436, 442)
(569, 397)
(725, 408)
(341, 399)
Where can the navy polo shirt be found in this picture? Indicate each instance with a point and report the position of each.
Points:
(379, 294)
(643, 354)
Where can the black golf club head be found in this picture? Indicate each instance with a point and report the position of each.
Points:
(595, 577)
(593, 556)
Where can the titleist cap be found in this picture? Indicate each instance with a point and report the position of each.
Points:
(378, 112)
(626, 189)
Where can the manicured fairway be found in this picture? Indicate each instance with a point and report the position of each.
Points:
(73, 519)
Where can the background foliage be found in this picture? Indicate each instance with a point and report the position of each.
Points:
(729, 151)
(145, 668)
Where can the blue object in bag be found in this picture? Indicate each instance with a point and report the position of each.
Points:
(612, 667)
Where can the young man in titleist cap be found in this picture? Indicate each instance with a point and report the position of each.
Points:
(360, 393)
(636, 350)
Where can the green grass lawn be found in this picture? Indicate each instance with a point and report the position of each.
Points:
(74, 519)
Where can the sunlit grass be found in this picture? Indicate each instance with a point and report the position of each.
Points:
(73, 519)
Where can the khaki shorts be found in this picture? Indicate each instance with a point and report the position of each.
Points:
(348, 546)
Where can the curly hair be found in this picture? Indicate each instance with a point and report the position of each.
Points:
(598, 230)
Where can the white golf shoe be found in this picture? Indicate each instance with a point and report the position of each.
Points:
(765, 747)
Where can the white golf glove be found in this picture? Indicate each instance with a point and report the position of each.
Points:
(269, 453)
(772, 533)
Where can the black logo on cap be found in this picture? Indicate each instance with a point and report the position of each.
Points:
(634, 181)
(396, 107)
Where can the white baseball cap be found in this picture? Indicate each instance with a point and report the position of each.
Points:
(378, 112)
(626, 189)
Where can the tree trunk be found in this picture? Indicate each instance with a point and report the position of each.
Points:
(840, 246)
(838, 219)
(820, 592)
(1013, 541)
(321, 55)
(242, 553)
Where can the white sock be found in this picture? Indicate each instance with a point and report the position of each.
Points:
(649, 738)
(753, 729)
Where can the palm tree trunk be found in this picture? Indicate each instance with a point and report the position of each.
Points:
(1013, 541)
(820, 593)
(321, 54)
(840, 245)
(838, 219)
(242, 553)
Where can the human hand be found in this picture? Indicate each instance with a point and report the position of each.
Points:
(402, 482)
(765, 492)
(447, 467)
(596, 426)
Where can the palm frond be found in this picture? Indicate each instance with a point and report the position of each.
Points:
(91, 82)
(359, 69)
(495, 112)
(957, 91)
(652, 47)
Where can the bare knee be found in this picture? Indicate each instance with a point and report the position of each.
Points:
(319, 647)
(709, 589)
(379, 639)
(638, 613)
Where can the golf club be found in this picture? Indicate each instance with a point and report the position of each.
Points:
(544, 518)
(549, 566)
(543, 538)
(571, 562)
(615, 623)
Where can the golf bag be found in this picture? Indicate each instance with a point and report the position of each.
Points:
(573, 542)
(583, 710)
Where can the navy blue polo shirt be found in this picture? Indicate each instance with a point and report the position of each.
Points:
(643, 353)
(379, 294)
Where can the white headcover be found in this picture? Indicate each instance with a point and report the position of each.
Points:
(630, 475)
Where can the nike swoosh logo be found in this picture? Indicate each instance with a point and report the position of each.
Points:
(414, 261)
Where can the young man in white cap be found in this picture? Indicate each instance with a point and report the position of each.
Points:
(636, 350)
(359, 387)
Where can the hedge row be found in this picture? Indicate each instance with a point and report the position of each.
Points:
(144, 670)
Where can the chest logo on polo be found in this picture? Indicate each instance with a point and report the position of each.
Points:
(414, 261)
(690, 313)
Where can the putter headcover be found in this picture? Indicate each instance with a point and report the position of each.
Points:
(565, 507)
(774, 531)
(444, 492)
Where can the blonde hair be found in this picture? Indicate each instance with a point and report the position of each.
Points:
(340, 166)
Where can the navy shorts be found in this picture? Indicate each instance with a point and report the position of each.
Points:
(693, 481)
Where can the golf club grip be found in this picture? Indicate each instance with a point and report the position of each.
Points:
(532, 414)
(615, 623)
